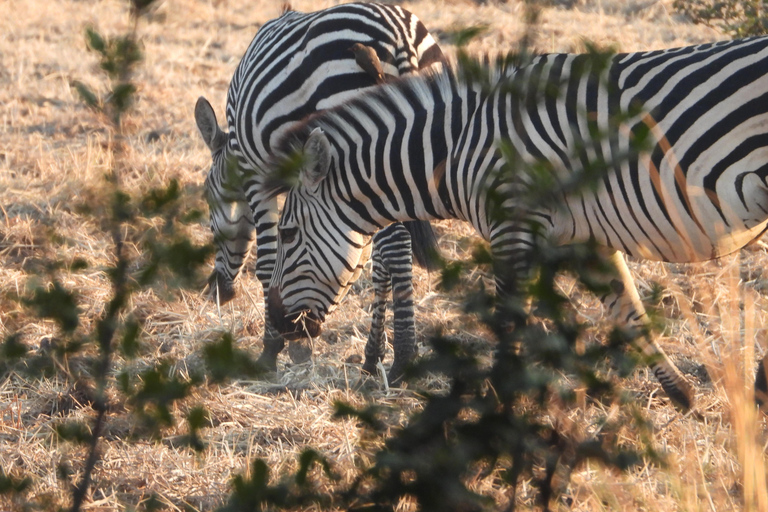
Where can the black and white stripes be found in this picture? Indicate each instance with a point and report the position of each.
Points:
(296, 65)
(697, 190)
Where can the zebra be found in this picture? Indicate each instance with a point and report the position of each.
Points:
(697, 192)
(298, 64)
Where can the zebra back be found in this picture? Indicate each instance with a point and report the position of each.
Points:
(300, 64)
(697, 189)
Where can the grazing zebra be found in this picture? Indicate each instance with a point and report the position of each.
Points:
(698, 192)
(296, 65)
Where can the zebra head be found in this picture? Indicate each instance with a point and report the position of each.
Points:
(319, 253)
(231, 219)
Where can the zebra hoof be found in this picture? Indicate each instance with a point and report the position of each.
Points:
(396, 379)
(681, 400)
(761, 385)
(299, 351)
(369, 367)
(267, 363)
(220, 288)
(680, 392)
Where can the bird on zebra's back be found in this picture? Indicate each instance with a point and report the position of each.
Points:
(297, 65)
(366, 58)
(698, 191)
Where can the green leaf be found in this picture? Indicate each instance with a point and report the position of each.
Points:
(87, 95)
(193, 216)
(74, 431)
(122, 207)
(224, 361)
(159, 198)
(463, 36)
(197, 417)
(450, 276)
(307, 457)
(130, 342)
(94, 40)
(11, 485)
(13, 347)
(78, 264)
(252, 494)
(122, 96)
(139, 7)
(160, 388)
(58, 304)
(154, 503)
(185, 259)
(64, 472)
(367, 415)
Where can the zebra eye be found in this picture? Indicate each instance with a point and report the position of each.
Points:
(288, 235)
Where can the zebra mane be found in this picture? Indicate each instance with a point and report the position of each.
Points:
(488, 70)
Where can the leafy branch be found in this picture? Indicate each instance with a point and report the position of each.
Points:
(151, 393)
(118, 58)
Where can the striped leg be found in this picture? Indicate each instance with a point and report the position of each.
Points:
(626, 307)
(392, 271)
(265, 214)
(509, 244)
(375, 347)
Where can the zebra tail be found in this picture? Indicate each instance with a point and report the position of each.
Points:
(426, 252)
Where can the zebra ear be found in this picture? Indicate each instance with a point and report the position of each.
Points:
(205, 117)
(317, 153)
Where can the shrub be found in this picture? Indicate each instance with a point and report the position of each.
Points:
(735, 18)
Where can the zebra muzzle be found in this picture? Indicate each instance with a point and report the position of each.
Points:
(292, 326)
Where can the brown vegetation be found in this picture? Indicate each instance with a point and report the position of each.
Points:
(53, 158)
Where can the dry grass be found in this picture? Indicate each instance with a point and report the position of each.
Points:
(52, 157)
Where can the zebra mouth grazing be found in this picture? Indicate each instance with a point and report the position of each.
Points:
(300, 325)
(293, 326)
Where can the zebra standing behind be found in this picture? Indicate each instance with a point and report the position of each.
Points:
(296, 65)
(698, 193)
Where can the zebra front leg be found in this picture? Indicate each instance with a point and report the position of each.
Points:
(265, 217)
(392, 270)
(273, 345)
(625, 306)
(375, 346)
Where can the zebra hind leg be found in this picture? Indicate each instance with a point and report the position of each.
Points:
(392, 270)
(626, 307)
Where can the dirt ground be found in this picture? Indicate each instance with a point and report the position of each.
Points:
(52, 156)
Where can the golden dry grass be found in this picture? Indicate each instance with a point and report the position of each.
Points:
(52, 156)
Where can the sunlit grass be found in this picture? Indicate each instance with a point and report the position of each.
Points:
(53, 157)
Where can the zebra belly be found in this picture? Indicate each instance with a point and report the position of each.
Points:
(696, 227)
